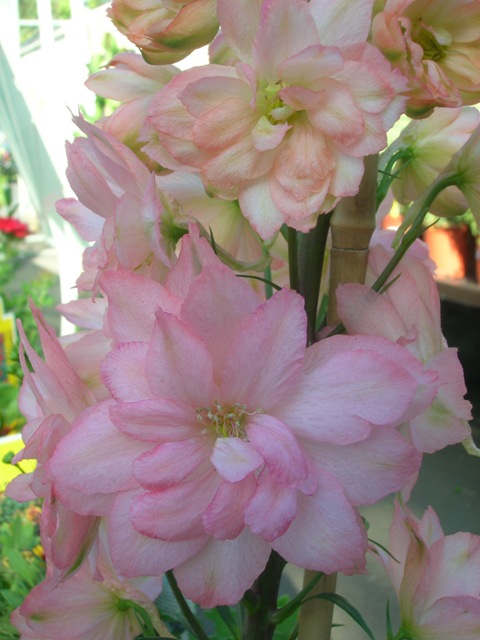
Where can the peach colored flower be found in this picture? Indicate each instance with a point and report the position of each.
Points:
(286, 130)
(436, 45)
(166, 30)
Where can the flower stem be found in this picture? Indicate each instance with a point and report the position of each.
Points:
(310, 267)
(293, 259)
(258, 624)
(185, 609)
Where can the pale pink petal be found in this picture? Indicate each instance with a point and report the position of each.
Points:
(364, 311)
(258, 206)
(270, 346)
(86, 313)
(240, 34)
(272, 509)
(224, 517)
(292, 19)
(342, 21)
(340, 539)
(123, 372)
(134, 554)
(452, 617)
(231, 297)
(132, 302)
(158, 421)
(95, 457)
(278, 447)
(207, 577)
(175, 513)
(88, 224)
(234, 458)
(170, 463)
(172, 350)
(369, 470)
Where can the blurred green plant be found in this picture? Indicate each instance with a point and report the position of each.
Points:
(37, 291)
(22, 565)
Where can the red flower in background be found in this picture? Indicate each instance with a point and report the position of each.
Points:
(14, 228)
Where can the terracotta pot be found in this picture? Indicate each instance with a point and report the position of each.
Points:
(453, 251)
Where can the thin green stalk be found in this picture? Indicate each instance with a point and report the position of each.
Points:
(388, 176)
(268, 282)
(185, 609)
(416, 215)
(310, 266)
(293, 259)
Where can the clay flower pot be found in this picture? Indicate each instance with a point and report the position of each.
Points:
(453, 251)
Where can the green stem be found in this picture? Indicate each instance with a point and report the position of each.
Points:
(259, 624)
(183, 604)
(293, 259)
(416, 216)
(310, 267)
(388, 176)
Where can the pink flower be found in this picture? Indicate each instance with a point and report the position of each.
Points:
(435, 44)
(285, 130)
(133, 82)
(225, 439)
(91, 605)
(119, 208)
(51, 397)
(408, 313)
(436, 577)
(165, 31)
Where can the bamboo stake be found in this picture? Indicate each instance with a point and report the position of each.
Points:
(352, 226)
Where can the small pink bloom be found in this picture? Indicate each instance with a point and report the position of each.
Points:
(163, 30)
(436, 578)
(435, 44)
(133, 82)
(408, 312)
(285, 130)
(51, 397)
(90, 605)
(119, 208)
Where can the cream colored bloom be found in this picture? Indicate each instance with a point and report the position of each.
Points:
(425, 147)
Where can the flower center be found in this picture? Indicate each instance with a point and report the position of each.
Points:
(432, 49)
(226, 421)
(271, 105)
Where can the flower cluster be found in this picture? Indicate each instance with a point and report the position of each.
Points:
(189, 427)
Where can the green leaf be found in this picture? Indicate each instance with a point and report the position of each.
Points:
(289, 609)
(344, 604)
(13, 599)
(228, 618)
